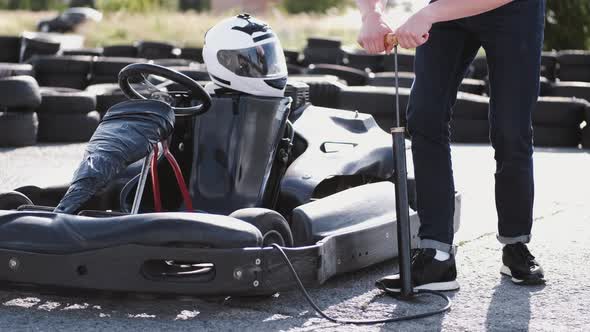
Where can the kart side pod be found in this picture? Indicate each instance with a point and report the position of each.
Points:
(354, 229)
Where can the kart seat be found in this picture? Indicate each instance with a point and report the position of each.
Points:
(53, 233)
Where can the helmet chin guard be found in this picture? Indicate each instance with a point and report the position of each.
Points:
(243, 54)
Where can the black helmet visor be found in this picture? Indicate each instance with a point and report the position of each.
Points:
(260, 61)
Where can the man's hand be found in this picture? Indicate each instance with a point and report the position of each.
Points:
(372, 34)
(414, 32)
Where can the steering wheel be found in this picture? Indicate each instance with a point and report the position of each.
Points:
(196, 96)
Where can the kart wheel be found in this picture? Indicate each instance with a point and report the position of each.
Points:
(272, 225)
(12, 200)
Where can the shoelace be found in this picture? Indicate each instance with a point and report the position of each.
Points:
(526, 254)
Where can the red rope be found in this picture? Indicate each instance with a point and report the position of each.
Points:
(156, 181)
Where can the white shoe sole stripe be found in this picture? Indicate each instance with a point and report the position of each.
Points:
(435, 286)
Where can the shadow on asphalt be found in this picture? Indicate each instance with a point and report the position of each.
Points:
(510, 307)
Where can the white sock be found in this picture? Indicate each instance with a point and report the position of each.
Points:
(441, 255)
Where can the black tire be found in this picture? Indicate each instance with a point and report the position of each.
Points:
(315, 42)
(16, 69)
(292, 57)
(296, 70)
(72, 81)
(156, 50)
(405, 62)
(19, 92)
(571, 89)
(548, 65)
(556, 136)
(12, 200)
(64, 100)
(192, 53)
(111, 66)
(559, 111)
(333, 56)
(10, 46)
(33, 47)
(84, 51)
(127, 51)
(586, 136)
(71, 64)
(573, 57)
(478, 68)
(323, 89)
(352, 76)
(405, 79)
(473, 86)
(18, 129)
(364, 61)
(67, 127)
(377, 101)
(577, 73)
(545, 86)
(107, 95)
(48, 196)
(177, 62)
(195, 73)
(272, 225)
(470, 131)
(471, 107)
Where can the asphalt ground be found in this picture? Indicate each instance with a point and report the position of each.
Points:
(486, 301)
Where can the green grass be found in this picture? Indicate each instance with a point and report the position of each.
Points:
(188, 29)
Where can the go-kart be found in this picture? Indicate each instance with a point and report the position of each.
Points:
(184, 192)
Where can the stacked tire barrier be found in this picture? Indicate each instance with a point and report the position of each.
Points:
(78, 83)
(67, 115)
(19, 98)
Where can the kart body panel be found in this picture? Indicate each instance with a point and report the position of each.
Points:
(333, 190)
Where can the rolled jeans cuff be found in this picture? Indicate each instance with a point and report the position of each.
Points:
(433, 244)
(513, 240)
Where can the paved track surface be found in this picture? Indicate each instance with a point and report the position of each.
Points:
(486, 301)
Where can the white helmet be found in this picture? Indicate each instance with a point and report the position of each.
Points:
(243, 54)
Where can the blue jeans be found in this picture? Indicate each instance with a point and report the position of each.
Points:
(512, 37)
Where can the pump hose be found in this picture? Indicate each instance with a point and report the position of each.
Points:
(362, 321)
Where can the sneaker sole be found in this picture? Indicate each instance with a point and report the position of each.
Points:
(505, 270)
(435, 286)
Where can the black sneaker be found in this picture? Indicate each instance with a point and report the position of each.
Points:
(520, 265)
(427, 273)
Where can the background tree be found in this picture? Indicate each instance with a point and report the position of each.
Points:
(567, 24)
